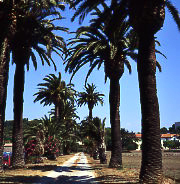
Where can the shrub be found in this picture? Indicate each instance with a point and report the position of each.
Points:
(132, 146)
(51, 147)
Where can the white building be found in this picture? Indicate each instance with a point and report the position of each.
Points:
(164, 137)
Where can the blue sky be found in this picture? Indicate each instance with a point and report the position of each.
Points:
(168, 83)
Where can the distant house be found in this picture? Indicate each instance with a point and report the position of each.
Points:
(164, 137)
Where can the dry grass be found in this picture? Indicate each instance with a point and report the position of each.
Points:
(112, 175)
(131, 168)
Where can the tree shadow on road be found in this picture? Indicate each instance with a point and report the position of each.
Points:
(63, 180)
(42, 168)
(19, 179)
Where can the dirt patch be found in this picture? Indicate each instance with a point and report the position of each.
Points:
(131, 168)
(111, 175)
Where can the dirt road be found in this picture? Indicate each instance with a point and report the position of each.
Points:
(75, 170)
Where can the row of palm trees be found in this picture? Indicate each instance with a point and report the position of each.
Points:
(63, 97)
(121, 29)
(146, 18)
(25, 27)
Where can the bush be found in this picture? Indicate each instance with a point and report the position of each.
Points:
(32, 154)
(51, 148)
(171, 144)
(132, 146)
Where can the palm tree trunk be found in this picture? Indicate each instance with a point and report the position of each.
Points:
(102, 149)
(90, 107)
(151, 166)
(18, 147)
(114, 99)
(61, 108)
(4, 71)
(90, 113)
(57, 111)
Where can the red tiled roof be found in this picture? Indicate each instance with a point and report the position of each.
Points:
(138, 135)
(167, 135)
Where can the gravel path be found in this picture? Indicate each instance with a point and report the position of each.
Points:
(75, 170)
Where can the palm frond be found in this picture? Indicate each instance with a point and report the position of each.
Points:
(174, 12)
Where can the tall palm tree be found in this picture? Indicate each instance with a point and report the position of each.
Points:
(147, 18)
(4, 69)
(6, 32)
(32, 29)
(90, 97)
(55, 91)
(101, 46)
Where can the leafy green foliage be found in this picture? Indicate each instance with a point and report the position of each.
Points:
(171, 130)
(93, 133)
(174, 12)
(128, 139)
(50, 135)
(172, 144)
(95, 45)
(34, 31)
(164, 130)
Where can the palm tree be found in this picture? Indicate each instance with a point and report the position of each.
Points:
(90, 97)
(6, 32)
(147, 18)
(69, 133)
(93, 136)
(99, 128)
(88, 136)
(32, 29)
(55, 91)
(4, 69)
(98, 46)
(68, 126)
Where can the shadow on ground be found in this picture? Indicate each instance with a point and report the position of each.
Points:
(62, 180)
(42, 168)
(19, 179)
